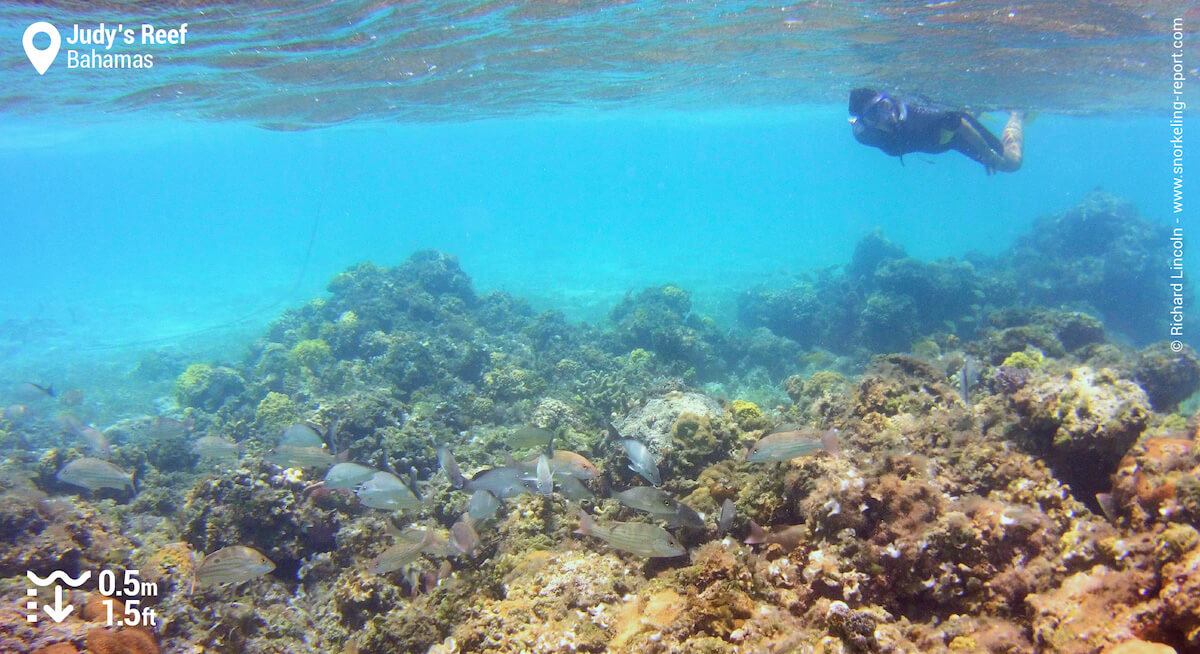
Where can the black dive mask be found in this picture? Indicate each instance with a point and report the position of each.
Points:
(884, 112)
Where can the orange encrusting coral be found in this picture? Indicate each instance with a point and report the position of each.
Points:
(57, 648)
(125, 641)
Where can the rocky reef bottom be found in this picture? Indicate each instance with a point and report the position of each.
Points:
(937, 527)
(1014, 479)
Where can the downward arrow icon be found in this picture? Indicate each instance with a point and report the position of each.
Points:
(58, 612)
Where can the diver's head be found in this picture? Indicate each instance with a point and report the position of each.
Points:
(877, 110)
(859, 99)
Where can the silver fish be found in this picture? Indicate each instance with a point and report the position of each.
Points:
(96, 440)
(573, 489)
(164, 427)
(215, 447)
(386, 491)
(483, 505)
(437, 542)
(450, 466)
(787, 445)
(641, 460)
(728, 513)
(463, 536)
(94, 474)
(660, 505)
(300, 435)
(348, 475)
(504, 483)
(545, 483)
(32, 391)
(638, 538)
(17, 413)
(529, 436)
(233, 565)
(301, 456)
(401, 554)
(968, 375)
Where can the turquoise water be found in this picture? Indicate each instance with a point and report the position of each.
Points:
(122, 238)
(703, 145)
(168, 237)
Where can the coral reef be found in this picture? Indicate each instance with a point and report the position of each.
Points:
(1084, 421)
(205, 387)
(1167, 376)
(1051, 504)
(1102, 253)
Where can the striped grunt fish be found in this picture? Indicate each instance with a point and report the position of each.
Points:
(233, 565)
(638, 538)
(93, 474)
(787, 445)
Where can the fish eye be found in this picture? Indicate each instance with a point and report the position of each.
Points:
(667, 503)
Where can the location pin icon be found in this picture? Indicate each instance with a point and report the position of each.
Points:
(41, 59)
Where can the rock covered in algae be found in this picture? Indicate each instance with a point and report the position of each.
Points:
(685, 431)
(652, 422)
(207, 387)
(1156, 484)
(1167, 376)
(258, 508)
(1085, 421)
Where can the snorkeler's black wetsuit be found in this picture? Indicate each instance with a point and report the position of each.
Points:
(920, 129)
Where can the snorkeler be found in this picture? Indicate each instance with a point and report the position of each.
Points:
(898, 128)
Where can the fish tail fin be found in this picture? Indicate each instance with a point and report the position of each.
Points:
(450, 467)
(612, 431)
(509, 461)
(587, 526)
(1107, 505)
(411, 482)
(757, 535)
(427, 539)
(829, 441)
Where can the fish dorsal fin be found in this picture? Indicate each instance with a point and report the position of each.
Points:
(757, 534)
